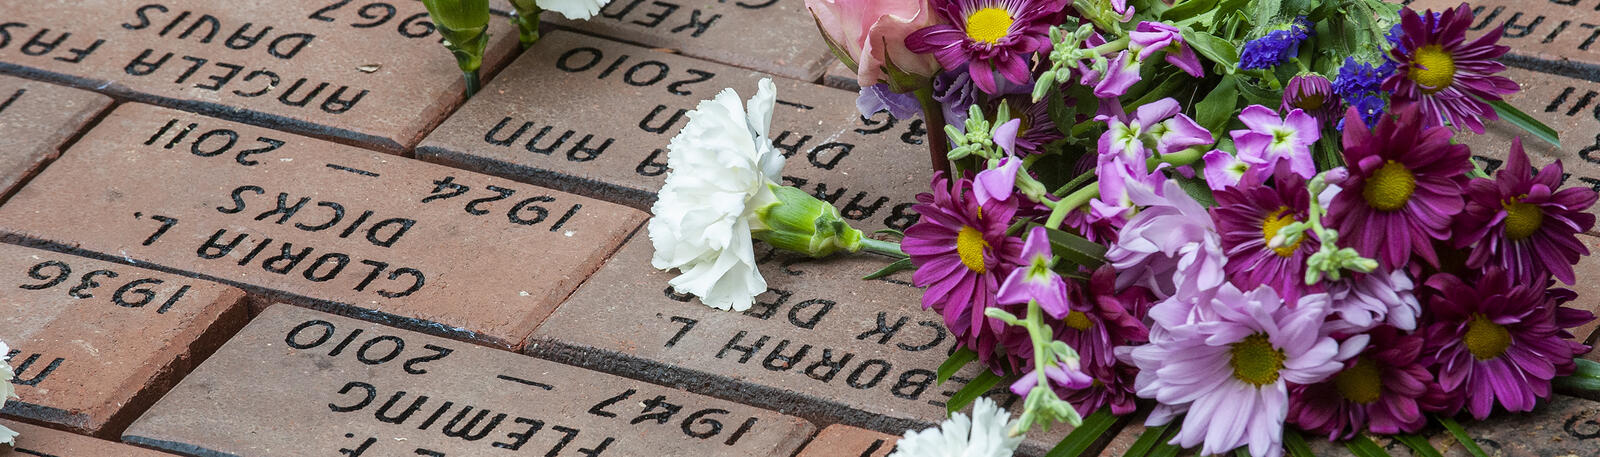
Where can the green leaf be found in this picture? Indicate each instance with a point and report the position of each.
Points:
(1241, 451)
(1085, 435)
(956, 361)
(970, 392)
(1076, 249)
(1147, 441)
(1585, 382)
(1362, 446)
(1420, 445)
(1213, 48)
(890, 231)
(1188, 9)
(1523, 120)
(1219, 106)
(1172, 83)
(1462, 436)
(1266, 15)
(896, 267)
(1198, 189)
(1296, 444)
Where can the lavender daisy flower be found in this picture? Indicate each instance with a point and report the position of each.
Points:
(1269, 139)
(1314, 94)
(1382, 297)
(1170, 247)
(1403, 188)
(1522, 223)
(1232, 370)
(1377, 391)
(1496, 340)
(985, 36)
(960, 250)
(1276, 47)
(1448, 77)
(1249, 215)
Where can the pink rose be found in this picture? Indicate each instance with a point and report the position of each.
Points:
(867, 30)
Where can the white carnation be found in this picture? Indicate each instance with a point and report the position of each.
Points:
(574, 9)
(7, 392)
(985, 435)
(722, 166)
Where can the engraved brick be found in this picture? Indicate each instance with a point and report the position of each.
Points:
(771, 36)
(298, 382)
(94, 343)
(1125, 438)
(369, 72)
(36, 441)
(840, 76)
(1550, 30)
(35, 119)
(821, 343)
(624, 103)
(1562, 426)
(330, 226)
(847, 441)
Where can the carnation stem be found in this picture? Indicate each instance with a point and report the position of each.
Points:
(933, 116)
(888, 248)
(473, 83)
(526, 17)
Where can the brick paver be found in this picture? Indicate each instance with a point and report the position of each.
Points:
(35, 120)
(298, 382)
(94, 343)
(363, 233)
(847, 441)
(1539, 32)
(1564, 426)
(772, 36)
(36, 441)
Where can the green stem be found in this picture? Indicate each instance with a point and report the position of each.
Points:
(473, 84)
(1109, 47)
(1071, 202)
(1180, 158)
(1037, 332)
(888, 248)
(526, 17)
(933, 116)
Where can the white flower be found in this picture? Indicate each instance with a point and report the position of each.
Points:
(574, 9)
(7, 392)
(723, 166)
(985, 435)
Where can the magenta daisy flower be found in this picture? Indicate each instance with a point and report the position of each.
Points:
(1249, 215)
(1496, 340)
(1377, 391)
(1036, 130)
(959, 249)
(1232, 369)
(984, 36)
(1404, 187)
(1522, 223)
(1440, 72)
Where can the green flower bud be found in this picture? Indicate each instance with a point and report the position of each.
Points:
(464, 24)
(802, 223)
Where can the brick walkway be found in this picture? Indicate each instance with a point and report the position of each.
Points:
(275, 229)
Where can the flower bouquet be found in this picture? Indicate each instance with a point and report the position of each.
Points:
(1245, 221)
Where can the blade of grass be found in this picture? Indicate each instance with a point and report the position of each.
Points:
(1296, 444)
(970, 392)
(956, 361)
(1462, 436)
(1085, 435)
(1146, 441)
(1362, 446)
(1420, 445)
(1524, 121)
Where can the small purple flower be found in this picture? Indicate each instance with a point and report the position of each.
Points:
(1125, 135)
(1314, 94)
(955, 92)
(989, 36)
(997, 184)
(1276, 47)
(878, 97)
(1223, 170)
(1270, 139)
(1250, 215)
(1035, 278)
(1036, 129)
(1150, 37)
(1119, 180)
(1370, 107)
(1358, 78)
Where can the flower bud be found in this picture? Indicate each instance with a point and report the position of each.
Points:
(802, 223)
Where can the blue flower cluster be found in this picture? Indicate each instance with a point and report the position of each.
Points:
(1361, 85)
(1275, 48)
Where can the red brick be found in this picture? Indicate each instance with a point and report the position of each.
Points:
(816, 313)
(483, 259)
(36, 441)
(114, 46)
(1551, 30)
(772, 36)
(847, 441)
(1563, 426)
(297, 382)
(833, 151)
(840, 77)
(94, 343)
(1125, 438)
(35, 119)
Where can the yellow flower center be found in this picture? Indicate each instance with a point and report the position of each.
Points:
(1255, 361)
(1309, 102)
(1522, 219)
(1078, 321)
(970, 245)
(1361, 383)
(1390, 187)
(1434, 69)
(989, 25)
(1486, 339)
(1275, 222)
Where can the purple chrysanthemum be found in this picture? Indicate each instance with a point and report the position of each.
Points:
(1520, 221)
(1232, 368)
(1364, 301)
(1037, 130)
(960, 250)
(1313, 94)
(1249, 214)
(984, 36)
(1276, 47)
(1377, 391)
(1497, 340)
(1402, 190)
(1448, 77)
(1170, 247)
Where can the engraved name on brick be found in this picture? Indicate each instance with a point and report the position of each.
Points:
(772, 36)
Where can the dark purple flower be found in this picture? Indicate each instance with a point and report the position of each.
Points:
(954, 91)
(1276, 47)
(1448, 77)
(1357, 78)
(1403, 189)
(984, 36)
(960, 250)
(1377, 391)
(1037, 130)
(1313, 94)
(1520, 221)
(1368, 106)
(1249, 215)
